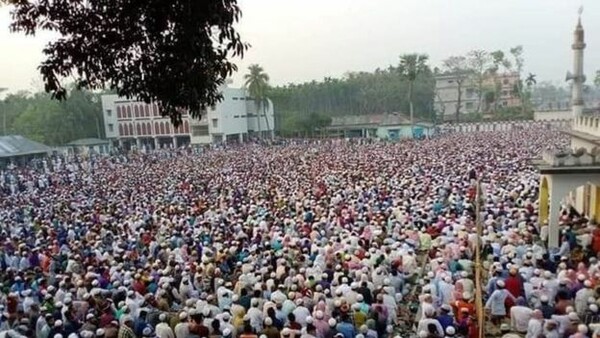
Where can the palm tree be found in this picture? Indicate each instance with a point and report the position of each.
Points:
(530, 80)
(411, 65)
(257, 82)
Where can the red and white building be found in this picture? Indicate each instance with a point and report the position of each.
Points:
(130, 123)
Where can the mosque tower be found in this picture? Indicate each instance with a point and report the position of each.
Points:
(577, 76)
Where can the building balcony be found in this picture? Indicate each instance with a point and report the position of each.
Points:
(588, 125)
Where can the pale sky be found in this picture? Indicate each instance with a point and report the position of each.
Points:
(302, 40)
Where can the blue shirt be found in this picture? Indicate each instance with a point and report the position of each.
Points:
(445, 321)
(346, 329)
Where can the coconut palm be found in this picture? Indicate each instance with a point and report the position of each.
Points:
(411, 65)
(257, 83)
(530, 80)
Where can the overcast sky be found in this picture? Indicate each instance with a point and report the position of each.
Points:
(302, 40)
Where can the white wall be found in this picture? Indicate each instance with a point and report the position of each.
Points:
(577, 143)
(552, 115)
(229, 113)
(587, 124)
(108, 103)
(252, 121)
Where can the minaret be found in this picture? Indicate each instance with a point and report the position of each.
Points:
(578, 77)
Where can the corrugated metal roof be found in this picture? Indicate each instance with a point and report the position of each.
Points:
(17, 145)
(87, 142)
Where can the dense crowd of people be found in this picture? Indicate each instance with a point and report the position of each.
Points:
(327, 239)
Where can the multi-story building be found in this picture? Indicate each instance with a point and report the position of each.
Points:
(130, 123)
(447, 94)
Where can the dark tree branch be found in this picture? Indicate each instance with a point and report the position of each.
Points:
(173, 52)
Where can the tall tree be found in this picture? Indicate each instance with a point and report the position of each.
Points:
(479, 62)
(498, 60)
(597, 79)
(519, 62)
(53, 122)
(459, 67)
(530, 80)
(411, 66)
(257, 82)
(176, 53)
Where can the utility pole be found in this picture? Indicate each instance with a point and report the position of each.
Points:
(3, 114)
(478, 263)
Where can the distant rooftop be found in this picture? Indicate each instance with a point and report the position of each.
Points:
(374, 120)
(88, 142)
(17, 145)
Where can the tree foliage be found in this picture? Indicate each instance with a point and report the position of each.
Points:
(356, 93)
(53, 122)
(304, 124)
(257, 83)
(411, 67)
(175, 53)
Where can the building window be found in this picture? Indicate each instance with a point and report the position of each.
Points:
(236, 116)
(504, 103)
(470, 92)
(108, 112)
(469, 105)
(242, 98)
(235, 99)
(505, 81)
(215, 123)
(505, 93)
(111, 128)
(200, 130)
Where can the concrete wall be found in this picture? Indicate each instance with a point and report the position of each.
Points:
(109, 111)
(253, 122)
(552, 115)
(401, 131)
(229, 115)
(587, 124)
(577, 143)
(500, 126)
